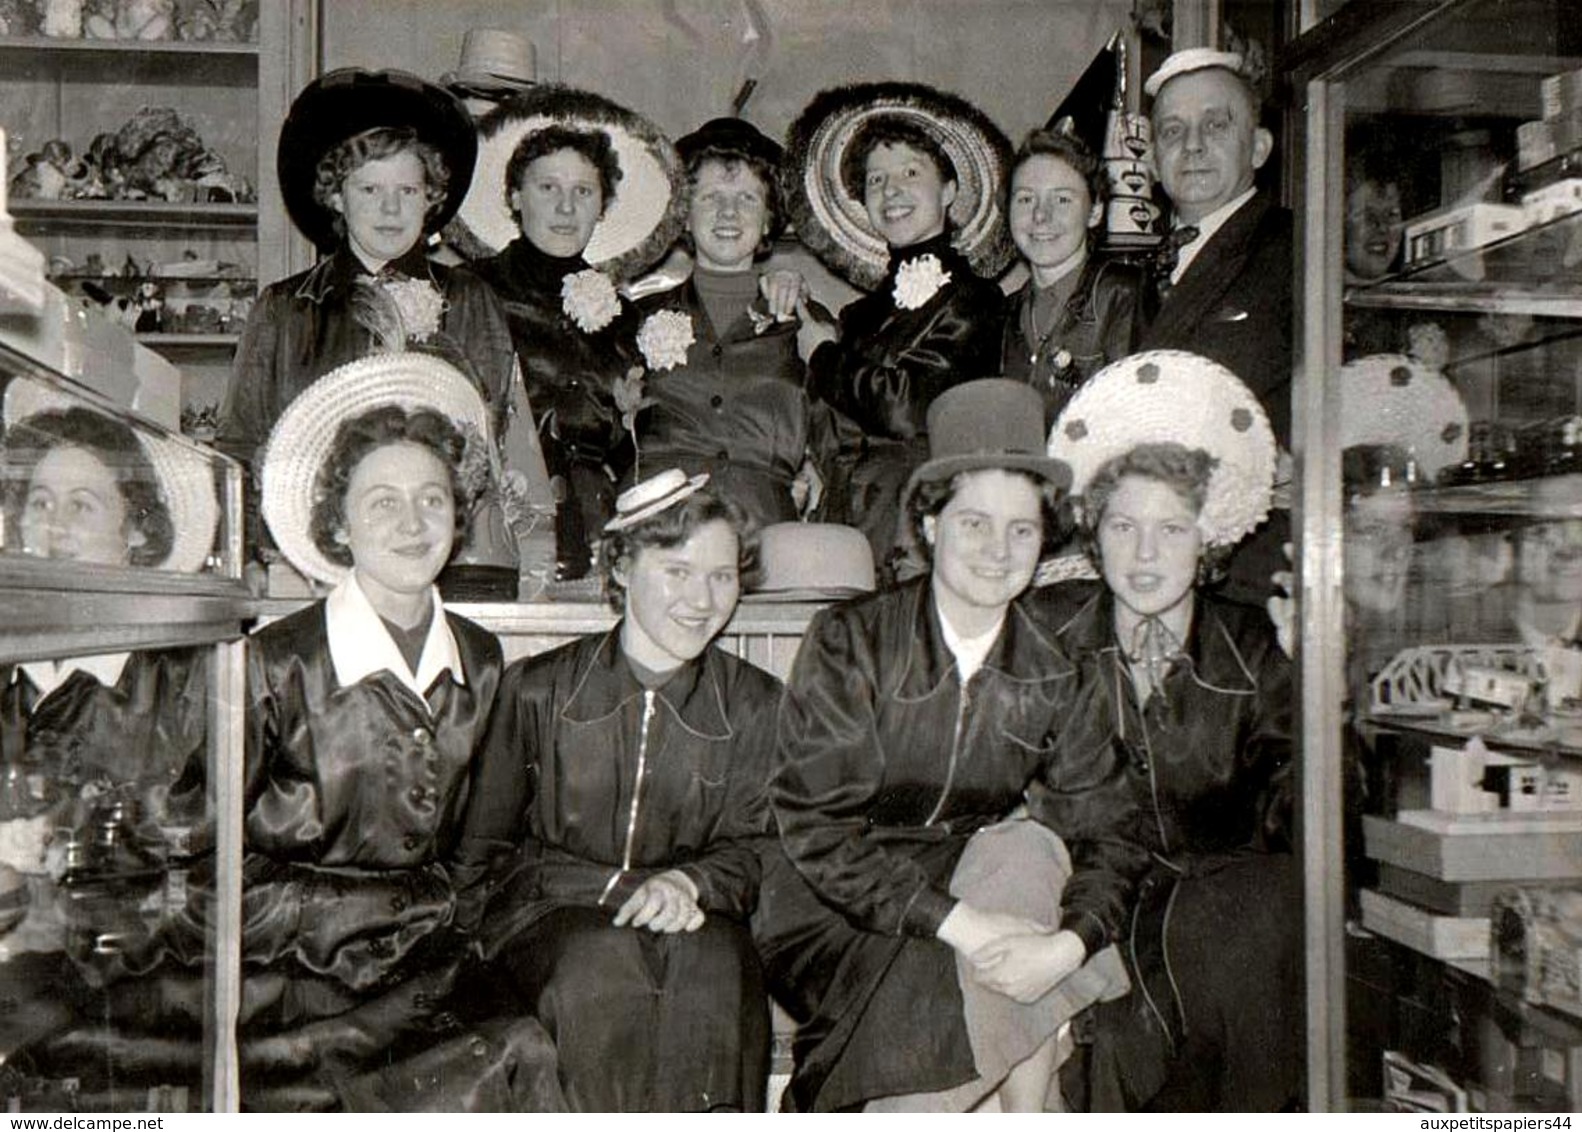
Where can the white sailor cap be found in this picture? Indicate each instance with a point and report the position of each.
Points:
(1187, 60)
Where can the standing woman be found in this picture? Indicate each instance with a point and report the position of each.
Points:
(736, 407)
(622, 787)
(1077, 312)
(578, 194)
(371, 162)
(364, 713)
(913, 722)
(1173, 461)
(899, 188)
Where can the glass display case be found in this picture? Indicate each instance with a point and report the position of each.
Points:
(120, 756)
(1438, 174)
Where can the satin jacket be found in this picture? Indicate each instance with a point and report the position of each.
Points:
(1209, 757)
(353, 800)
(569, 372)
(1101, 322)
(889, 363)
(883, 755)
(589, 783)
(736, 408)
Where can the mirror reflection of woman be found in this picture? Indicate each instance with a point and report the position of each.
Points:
(622, 799)
(1173, 462)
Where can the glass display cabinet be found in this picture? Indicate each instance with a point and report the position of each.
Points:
(1437, 172)
(120, 756)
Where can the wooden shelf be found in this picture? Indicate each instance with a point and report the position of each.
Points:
(188, 341)
(132, 48)
(1497, 497)
(134, 213)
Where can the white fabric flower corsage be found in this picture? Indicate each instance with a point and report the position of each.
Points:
(919, 280)
(664, 338)
(589, 299)
(1062, 359)
(420, 305)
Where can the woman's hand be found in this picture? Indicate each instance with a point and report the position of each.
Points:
(807, 488)
(1282, 607)
(969, 929)
(664, 903)
(1027, 967)
(814, 331)
(783, 291)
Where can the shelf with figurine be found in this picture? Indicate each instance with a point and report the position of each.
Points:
(135, 213)
(129, 25)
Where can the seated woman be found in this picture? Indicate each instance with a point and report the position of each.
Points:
(1077, 312)
(371, 162)
(567, 177)
(104, 757)
(622, 787)
(913, 722)
(364, 712)
(1173, 461)
(735, 407)
(898, 188)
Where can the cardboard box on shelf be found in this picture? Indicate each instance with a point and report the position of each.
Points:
(1512, 847)
(1443, 937)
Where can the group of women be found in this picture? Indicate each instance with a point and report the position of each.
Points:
(981, 824)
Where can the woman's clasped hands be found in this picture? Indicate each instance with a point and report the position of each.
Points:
(1010, 955)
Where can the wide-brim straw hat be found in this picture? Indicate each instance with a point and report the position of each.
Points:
(993, 422)
(494, 64)
(304, 436)
(1171, 396)
(349, 101)
(649, 208)
(1392, 399)
(812, 562)
(835, 225)
(185, 474)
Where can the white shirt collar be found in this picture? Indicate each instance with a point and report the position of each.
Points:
(360, 645)
(47, 675)
(1206, 228)
(970, 652)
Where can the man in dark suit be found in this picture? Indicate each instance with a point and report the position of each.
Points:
(1228, 293)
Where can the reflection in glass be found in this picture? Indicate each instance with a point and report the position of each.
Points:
(81, 485)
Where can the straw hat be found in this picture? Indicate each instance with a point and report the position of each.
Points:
(494, 64)
(1391, 399)
(1186, 61)
(812, 562)
(655, 494)
(835, 225)
(648, 211)
(993, 422)
(351, 101)
(302, 438)
(185, 474)
(1171, 396)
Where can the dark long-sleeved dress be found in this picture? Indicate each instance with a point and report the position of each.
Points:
(886, 767)
(736, 409)
(1214, 945)
(354, 799)
(590, 783)
(303, 327)
(886, 366)
(570, 375)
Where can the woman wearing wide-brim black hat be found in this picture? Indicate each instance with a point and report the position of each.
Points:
(897, 186)
(371, 162)
(573, 194)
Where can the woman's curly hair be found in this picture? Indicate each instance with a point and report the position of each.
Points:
(1184, 470)
(364, 434)
(674, 526)
(591, 144)
(329, 176)
(889, 129)
(110, 442)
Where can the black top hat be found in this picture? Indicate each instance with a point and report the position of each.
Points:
(733, 134)
(350, 101)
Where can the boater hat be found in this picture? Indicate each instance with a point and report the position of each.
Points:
(655, 494)
(1391, 399)
(302, 438)
(835, 224)
(1186, 61)
(350, 101)
(648, 211)
(494, 64)
(185, 476)
(1170, 396)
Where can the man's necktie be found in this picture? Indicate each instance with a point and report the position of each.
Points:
(1169, 254)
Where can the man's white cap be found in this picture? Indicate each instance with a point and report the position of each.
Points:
(1187, 60)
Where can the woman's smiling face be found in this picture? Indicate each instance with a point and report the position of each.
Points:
(74, 509)
(907, 199)
(1051, 211)
(678, 598)
(400, 520)
(1149, 546)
